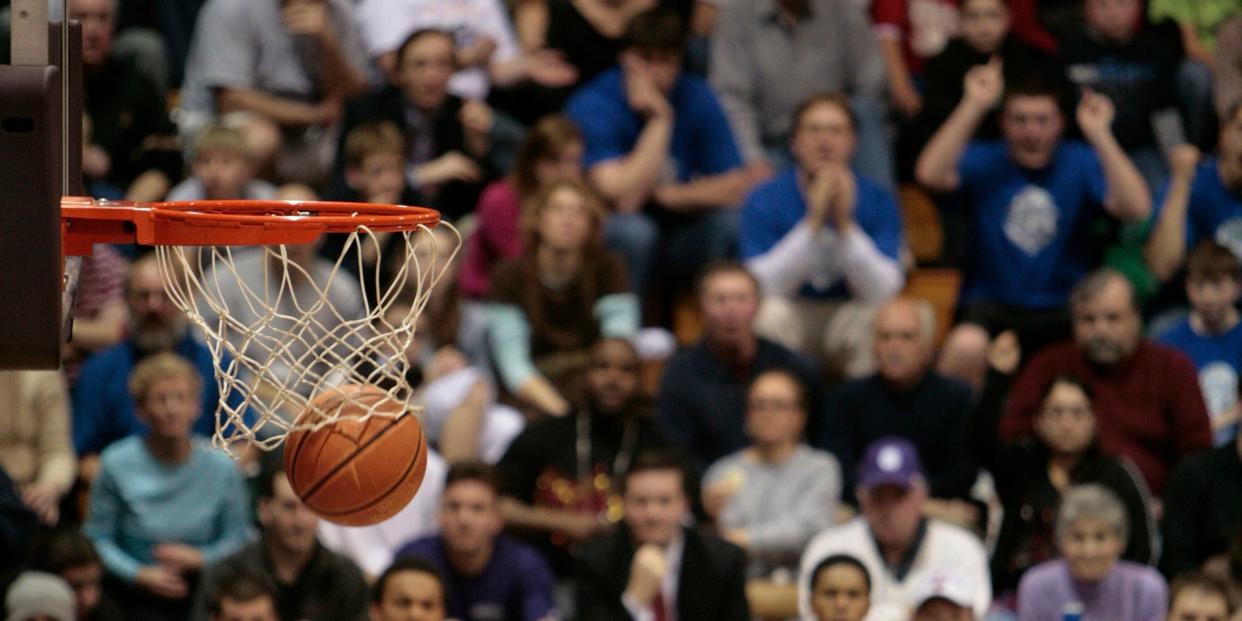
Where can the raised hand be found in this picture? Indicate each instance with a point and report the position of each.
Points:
(1183, 159)
(985, 84)
(307, 19)
(1095, 113)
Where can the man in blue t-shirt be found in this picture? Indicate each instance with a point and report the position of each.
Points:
(1212, 334)
(823, 241)
(1032, 197)
(486, 575)
(657, 137)
(1203, 200)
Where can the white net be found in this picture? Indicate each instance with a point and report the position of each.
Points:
(286, 327)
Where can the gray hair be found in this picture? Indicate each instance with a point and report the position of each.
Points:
(1094, 502)
(923, 310)
(1094, 283)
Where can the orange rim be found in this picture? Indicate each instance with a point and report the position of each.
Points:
(86, 221)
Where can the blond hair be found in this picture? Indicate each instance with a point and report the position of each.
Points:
(158, 367)
(370, 139)
(221, 138)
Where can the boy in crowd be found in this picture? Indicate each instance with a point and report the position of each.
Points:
(223, 169)
(1212, 335)
(409, 590)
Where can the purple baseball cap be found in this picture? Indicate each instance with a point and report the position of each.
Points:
(890, 461)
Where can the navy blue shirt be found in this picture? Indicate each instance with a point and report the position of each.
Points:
(776, 207)
(702, 402)
(103, 410)
(516, 585)
(1216, 358)
(1030, 240)
(702, 142)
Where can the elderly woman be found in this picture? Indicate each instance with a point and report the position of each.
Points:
(547, 307)
(166, 503)
(1033, 474)
(1091, 533)
(772, 497)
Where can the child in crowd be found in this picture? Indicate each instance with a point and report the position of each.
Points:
(840, 589)
(1199, 597)
(223, 168)
(1212, 335)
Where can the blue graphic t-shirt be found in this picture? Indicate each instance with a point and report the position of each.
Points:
(1029, 242)
(1213, 213)
(1216, 357)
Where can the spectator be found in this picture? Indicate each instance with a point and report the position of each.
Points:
(223, 169)
(1091, 531)
(1199, 597)
(548, 306)
(657, 136)
(99, 315)
(552, 149)
(654, 567)
(769, 57)
(452, 144)
(1147, 401)
(906, 398)
(487, 574)
(306, 580)
(985, 33)
(1198, 22)
(895, 542)
(609, 429)
(166, 504)
(1227, 68)
(278, 72)
(245, 596)
(411, 589)
(1202, 508)
(911, 32)
(36, 449)
(704, 385)
(486, 51)
(36, 596)
(824, 241)
(1033, 474)
(770, 498)
(945, 596)
(1030, 196)
(840, 589)
(70, 555)
(132, 142)
(1135, 65)
(1211, 335)
(103, 408)
(1202, 201)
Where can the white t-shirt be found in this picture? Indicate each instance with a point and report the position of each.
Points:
(944, 545)
(386, 23)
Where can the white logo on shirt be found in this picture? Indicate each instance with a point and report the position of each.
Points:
(1220, 387)
(1031, 222)
(1229, 235)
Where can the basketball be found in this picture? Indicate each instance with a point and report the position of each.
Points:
(356, 472)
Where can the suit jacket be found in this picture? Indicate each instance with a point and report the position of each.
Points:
(711, 587)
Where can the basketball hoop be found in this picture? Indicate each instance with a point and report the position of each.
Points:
(283, 329)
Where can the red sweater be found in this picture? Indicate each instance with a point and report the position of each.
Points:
(1147, 408)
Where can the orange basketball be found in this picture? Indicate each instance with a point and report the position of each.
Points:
(355, 472)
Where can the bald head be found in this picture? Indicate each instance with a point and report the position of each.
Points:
(903, 333)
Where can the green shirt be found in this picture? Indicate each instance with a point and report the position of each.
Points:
(1202, 15)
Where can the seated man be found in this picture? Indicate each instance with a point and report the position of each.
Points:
(905, 398)
(245, 596)
(308, 581)
(768, 56)
(1031, 196)
(653, 567)
(702, 394)
(657, 136)
(1203, 200)
(36, 448)
(1202, 508)
(899, 546)
(411, 589)
(1212, 335)
(103, 410)
(487, 574)
(278, 71)
(132, 143)
(1148, 405)
(824, 241)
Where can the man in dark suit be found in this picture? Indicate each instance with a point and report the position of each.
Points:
(655, 569)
